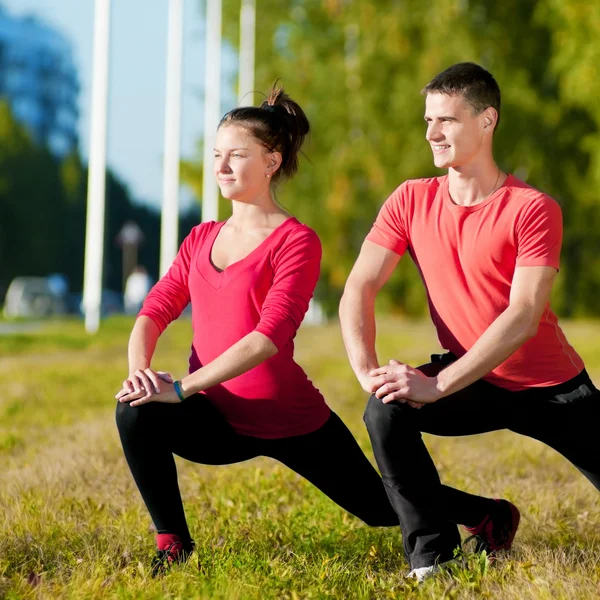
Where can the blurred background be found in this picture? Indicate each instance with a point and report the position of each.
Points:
(72, 524)
(357, 68)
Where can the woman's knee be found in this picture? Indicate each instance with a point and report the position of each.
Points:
(130, 418)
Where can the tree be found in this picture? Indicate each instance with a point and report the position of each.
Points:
(357, 68)
(44, 202)
(31, 197)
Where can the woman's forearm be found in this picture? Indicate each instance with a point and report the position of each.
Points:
(142, 343)
(244, 355)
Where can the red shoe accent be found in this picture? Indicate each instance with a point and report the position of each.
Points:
(497, 529)
(170, 550)
(164, 540)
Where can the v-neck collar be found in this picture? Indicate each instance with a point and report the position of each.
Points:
(218, 278)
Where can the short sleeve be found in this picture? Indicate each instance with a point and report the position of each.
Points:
(539, 234)
(296, 268)
(167, 299)
(389, 229)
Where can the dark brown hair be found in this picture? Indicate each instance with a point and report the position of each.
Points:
(476, 85)
(279, 124)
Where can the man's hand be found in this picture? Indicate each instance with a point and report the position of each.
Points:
(403, 383)
(145, 386)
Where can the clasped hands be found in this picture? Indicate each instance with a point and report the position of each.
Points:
(399, 382)
(145, 385)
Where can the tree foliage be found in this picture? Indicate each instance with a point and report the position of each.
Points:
(44, 201)
(357, 68)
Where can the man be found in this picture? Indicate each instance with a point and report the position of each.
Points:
(487, 246)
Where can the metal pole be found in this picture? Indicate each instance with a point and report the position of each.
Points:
(170, 205)
(94, 238)
(212, 108)
(246, 61)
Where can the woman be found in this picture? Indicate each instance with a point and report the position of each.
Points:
(249, 280)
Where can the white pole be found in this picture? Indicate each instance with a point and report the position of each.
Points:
(212, 108)
(170, 204)
(246, 61)
(94, 237)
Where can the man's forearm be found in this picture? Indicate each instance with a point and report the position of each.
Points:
(249, 352)
(499, 341)
(142, 343)
(357, 319)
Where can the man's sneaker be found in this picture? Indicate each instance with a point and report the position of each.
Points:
(497, 529)
(171, 550)
(423, 573)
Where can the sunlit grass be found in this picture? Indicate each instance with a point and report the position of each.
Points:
(73, 526)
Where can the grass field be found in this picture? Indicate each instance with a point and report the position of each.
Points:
(73, 526)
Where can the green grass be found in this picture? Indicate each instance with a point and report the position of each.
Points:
(72, 524)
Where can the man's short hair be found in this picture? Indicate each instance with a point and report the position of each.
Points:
(476, 85)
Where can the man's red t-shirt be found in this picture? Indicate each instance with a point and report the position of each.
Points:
(467, 257)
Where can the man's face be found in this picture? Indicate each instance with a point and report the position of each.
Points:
(453, 131)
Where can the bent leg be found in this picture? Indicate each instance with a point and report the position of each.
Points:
(331, 459)
(428, 511)
(153, 432)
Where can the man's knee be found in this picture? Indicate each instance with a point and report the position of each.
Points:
(378, 416)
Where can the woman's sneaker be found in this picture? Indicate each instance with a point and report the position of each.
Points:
(171, 550)
(497, 529)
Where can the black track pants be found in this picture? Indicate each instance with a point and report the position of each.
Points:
(565, 417)
(329, 458)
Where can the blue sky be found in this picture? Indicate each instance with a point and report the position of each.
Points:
(137, 81)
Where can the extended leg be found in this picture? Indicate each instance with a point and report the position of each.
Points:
(565, 418)
(331, 459)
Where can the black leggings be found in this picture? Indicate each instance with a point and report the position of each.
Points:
(329, 458)
(565, 417)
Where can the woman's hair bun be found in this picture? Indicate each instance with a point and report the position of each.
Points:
(278, 123)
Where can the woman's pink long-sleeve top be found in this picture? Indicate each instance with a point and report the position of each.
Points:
(267, 291)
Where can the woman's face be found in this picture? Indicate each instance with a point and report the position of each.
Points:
(243, 167)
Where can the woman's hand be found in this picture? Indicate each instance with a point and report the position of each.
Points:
(146, 385)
